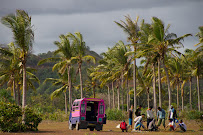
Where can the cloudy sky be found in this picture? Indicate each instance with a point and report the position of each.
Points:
(95, 19)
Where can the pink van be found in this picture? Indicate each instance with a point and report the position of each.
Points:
(87, 113)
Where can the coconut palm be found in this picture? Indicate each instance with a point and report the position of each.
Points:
(79, 53)
(132, 29)
(64, 54)
(196, 60)
(164, 42)
(20, 24)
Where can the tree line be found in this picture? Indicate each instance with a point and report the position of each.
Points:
(163, 64)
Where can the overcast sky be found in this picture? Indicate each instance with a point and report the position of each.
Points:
(95, 19)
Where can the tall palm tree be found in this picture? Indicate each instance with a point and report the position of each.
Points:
(79, 54)
(196, 59)
(20, 24)
(63, 65)
(165, 42)
(132, 29)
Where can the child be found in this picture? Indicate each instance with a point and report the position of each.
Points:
(182, 126)
(171, 124)
(123, 126)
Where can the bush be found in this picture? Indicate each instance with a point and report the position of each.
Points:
(11, 118)
(56, 116)
(115, 114)
(32, 119)
(191, 115)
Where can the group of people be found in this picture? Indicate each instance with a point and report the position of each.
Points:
(151, 126)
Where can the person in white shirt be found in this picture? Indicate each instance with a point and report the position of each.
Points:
(138, 122)
(171, 124)
(150, 115)
(182, 126)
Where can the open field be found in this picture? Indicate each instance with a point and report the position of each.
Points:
(61, 128)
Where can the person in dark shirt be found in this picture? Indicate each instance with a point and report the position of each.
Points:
(130, 116)
(138, 111)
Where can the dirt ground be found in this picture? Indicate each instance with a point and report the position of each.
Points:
(61, 128)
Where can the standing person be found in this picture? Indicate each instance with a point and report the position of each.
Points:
(138, 111)
(171, 124)
(172, 113)
(150, 115)
(161, 116)
(130, 112)
(138, 122)
(182, 126)
(123, 126)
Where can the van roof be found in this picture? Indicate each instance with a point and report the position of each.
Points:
(90, 99)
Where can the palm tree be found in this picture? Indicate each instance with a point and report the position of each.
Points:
(79, 54)
(197, 62)
(63, 65)
(164, 42)
(132, 29)
(21, 26)
(63, 82)
(10, 66)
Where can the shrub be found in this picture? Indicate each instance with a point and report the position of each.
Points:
(56, 116)
(32, 119)
(10, 117)
(191, 115)
(115, 114)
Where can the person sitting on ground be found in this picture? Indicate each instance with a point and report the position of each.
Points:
(171, 124)
(182, 126)
(123, 126)
(152, 126)
(138, 122)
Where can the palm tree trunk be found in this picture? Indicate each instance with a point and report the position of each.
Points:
(118, 94)
(113, 94)
(81, 83)
(154, 88)
(122, 88)
(177, 96)
(168, 83)
(191, 93)
(198, 94)
(24, 90)
(94, 91)
(127, 102)
(70, 88)
(183, 101)
(14, 91)
(18, 91)
(159, 82)
(134, 82)
(65, 96)
(148, 100)
(109, 98)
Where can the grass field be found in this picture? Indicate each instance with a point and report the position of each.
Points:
(61, 128)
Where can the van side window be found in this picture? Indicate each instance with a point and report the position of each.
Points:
(101, 109)
(82, 108)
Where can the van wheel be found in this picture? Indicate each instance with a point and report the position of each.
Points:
(70, 125)
(91, 129)
(77, 126)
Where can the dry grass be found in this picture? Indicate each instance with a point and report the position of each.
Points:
(61, 128)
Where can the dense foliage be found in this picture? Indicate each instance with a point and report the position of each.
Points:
(11, 118)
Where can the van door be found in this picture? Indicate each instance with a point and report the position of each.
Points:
(83, 111)
(100, 112)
